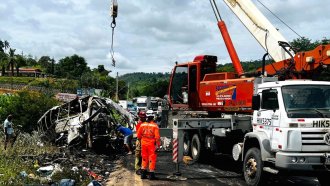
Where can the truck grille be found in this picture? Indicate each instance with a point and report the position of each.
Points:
(313, 138)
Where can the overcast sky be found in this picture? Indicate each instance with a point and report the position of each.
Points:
(150, 34)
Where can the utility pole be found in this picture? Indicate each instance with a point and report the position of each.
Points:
(127, 91)
(117, 88)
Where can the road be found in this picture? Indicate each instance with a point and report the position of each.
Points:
(217, 170)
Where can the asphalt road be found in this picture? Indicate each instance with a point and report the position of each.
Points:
(216, 170)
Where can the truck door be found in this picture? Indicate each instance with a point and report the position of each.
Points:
(178, 85)
(269, 115)
(193, 100)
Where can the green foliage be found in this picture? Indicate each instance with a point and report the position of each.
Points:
(64, 85)
(27, 107)
(146, 84)
(136, 77)
(16, 80)
(305, 44)
(10, 167)
(47, 64)
(30, 61)
(72, 67)
(12, 160)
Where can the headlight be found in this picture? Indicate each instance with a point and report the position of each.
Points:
(301, 159)
(294, 160)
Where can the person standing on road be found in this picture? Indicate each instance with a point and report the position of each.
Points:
(138, 157)
(150, 141)
(8, 129)
(128, 136)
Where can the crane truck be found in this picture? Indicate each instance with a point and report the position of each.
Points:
(274, 121)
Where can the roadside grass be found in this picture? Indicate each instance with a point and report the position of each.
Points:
(18, 164)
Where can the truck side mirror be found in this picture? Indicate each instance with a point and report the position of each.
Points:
(256, 102)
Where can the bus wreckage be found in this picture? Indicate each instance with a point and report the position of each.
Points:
(86, 121)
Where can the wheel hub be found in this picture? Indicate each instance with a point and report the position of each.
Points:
(251, 167)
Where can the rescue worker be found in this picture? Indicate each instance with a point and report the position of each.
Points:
(148, 133)
(138, 157)
(128, 135)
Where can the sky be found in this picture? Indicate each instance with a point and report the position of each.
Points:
(150, 35)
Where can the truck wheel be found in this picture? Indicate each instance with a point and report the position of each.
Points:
(323, 179)
(186, 144)
(253, 167)
(195, 147)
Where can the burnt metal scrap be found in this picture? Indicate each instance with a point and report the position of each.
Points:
(87, 120)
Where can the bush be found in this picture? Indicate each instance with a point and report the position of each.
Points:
(27, 107)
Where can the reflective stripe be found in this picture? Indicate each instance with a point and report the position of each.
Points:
(149, 125)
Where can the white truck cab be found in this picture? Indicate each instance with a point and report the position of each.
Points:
(291, 129)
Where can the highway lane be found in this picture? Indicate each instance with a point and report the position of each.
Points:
(216, 170)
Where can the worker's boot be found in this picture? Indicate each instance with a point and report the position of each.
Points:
(138, 172)
(152, 176)
(143, 174)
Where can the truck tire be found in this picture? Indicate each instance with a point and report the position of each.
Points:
(195, 147)
(186, 144)
(323, 179)
(253, 168)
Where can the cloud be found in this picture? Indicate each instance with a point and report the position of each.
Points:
(150, 35)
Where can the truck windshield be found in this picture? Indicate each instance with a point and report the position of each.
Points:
(180, 80)
(141, 104)
(309, 98)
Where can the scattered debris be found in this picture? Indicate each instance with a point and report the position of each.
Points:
(67, 182)
(23, 174)
(94, 183)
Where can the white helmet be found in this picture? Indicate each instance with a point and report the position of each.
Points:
(150, 113)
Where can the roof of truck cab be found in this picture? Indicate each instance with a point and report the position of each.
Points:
(292, 82)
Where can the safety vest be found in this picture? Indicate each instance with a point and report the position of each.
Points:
(149, 131)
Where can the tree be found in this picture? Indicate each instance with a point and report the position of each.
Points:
(46, 64)
(4, 45)
(157, 89)
(11, 60)
(72, 67)
(30, 61)
(305, 44)
(102, 70)
(20, 61)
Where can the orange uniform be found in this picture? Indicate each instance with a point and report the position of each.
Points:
(138, 125)
(150, 140)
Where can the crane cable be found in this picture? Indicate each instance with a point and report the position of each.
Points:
(279, 19)
(113, 13)
(112, 52)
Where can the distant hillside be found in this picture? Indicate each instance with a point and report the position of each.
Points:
(138, 77)
(146, 84)
(156, 84)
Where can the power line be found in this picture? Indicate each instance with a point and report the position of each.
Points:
(279, 19)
